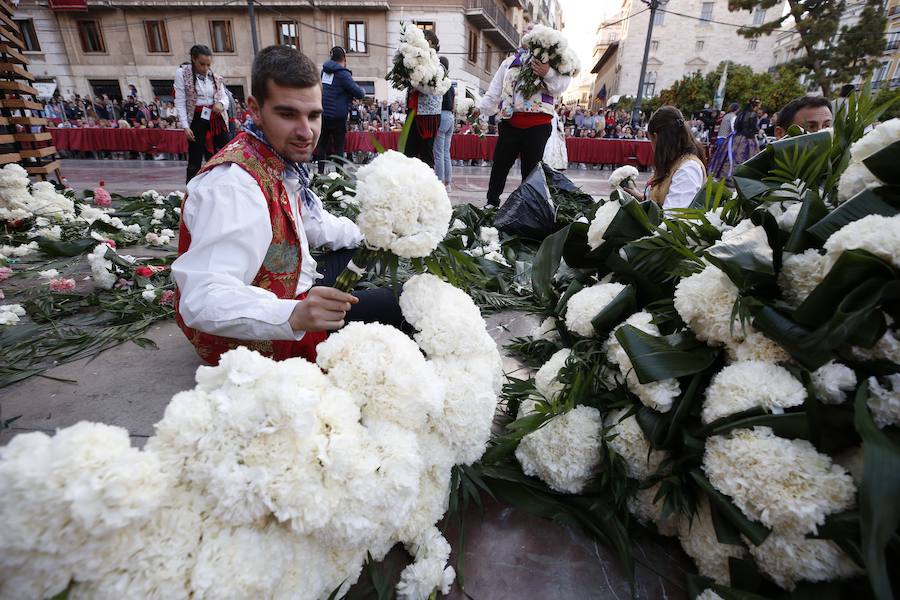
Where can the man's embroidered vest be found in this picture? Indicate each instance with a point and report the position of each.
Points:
(280, 270)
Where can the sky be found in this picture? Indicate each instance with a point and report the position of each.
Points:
(580, 19)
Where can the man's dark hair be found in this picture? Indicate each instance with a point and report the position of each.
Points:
(733, 107)
(785, 117)
(445, 63)
(338, 54)
(432, 39)
(847, 89)
(200, 50)
(285, 66)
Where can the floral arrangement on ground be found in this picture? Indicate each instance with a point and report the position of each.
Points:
(727, 374)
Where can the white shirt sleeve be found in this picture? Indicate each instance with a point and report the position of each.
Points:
(686, 182)
(555, 83)
(490, 102)
(180, 107)
(231, 231)
(221, 95)
(323, 229)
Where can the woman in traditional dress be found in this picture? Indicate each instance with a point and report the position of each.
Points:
(738, 144)
(678, 172)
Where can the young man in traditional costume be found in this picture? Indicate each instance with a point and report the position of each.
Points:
(525, 123)
(245, 275)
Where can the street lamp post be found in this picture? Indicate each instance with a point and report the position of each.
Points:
(636, 112)
(252, 14)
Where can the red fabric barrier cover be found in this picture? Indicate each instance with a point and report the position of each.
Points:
(120, 140)
(472, 147)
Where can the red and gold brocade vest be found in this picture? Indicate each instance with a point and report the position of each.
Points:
(280, 270)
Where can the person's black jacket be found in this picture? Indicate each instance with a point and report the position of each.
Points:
(448, 102)
(338, 91)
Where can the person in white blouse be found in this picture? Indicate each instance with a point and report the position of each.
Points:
(245, 271)
(201, 102)
(678, 170)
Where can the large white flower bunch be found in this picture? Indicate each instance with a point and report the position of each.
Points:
(876, 234)
(16, 202)
(546, 380)
(788, 558)
(565, 451)
(489, 246)
(833, 381)
(858, 177)
(407, 223)
(800, 274)
(785, 484)
(416, 64)
(751, 384)
(551, 46)
(627, 439)
(603, 218)
(586, 304)
(658, 395)
(464, 106)
(268, 479)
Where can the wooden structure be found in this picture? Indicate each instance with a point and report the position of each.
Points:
(23, 135)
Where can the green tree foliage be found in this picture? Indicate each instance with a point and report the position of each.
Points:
(692, 92)
(885, 95)
(832, 54)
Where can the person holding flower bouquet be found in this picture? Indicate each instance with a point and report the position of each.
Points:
(245, 275)
(523, 93)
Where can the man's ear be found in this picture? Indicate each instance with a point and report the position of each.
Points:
(254, 107)
(779, 132)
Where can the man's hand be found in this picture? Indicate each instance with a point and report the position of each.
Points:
(188, 132)
(540, 69)
(323, 309)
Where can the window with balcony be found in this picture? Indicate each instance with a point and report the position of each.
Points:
(355, 37)
(472, 48)
(706, 12)
(221, 35)
(157, 37)
(759, 16)
(91, 36)
(893, 41)
(698, 46)
(26, 27)
(287, 33)
(881, 74)
(751, 45)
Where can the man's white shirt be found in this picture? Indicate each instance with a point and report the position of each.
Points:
(555, 83)
(231, 231)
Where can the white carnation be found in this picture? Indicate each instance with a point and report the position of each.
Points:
(756, 346)
(546, 330)
(705, 301)
(586, 304)
(883, 135)
(855, 179)
(800, 274)
(621, 175)
(886, 348)
(749, 465)
(644, 506)
(429, 570)
(876, 234)
(751, 384)
(788, 558)
(658, 395)
(627, 439)
(698, 539)
(391, 218)
(832, 381)
(565, 451)
(884, 401)
(708, 594)
(602, 220)
(788, 218)
(546, 380)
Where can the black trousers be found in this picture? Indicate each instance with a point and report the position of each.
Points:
(332, 141)
(419, 147)
(376, 305)
(197, 149)
(511, 144)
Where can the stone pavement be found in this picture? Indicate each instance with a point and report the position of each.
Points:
(509, 553)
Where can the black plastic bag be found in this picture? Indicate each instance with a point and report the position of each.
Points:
(556, 179)
(528, 212)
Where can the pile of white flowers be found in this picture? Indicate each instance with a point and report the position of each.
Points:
(391, 217)
(548, 45)
(489, 246)
(416, 64)
(858, 177)
(464, 106)
(268, 479)
(10, 313)
(603, 218)
(17, 202)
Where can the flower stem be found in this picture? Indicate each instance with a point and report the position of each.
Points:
(361, 261)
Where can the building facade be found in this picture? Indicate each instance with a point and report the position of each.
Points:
(888, 73)
(104, 48)
(688, 36)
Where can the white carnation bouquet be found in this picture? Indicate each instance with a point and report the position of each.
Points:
(416, 64)
(545, 45)
(404, 211)
(623, 177)
(268, 479)
(20, 199)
